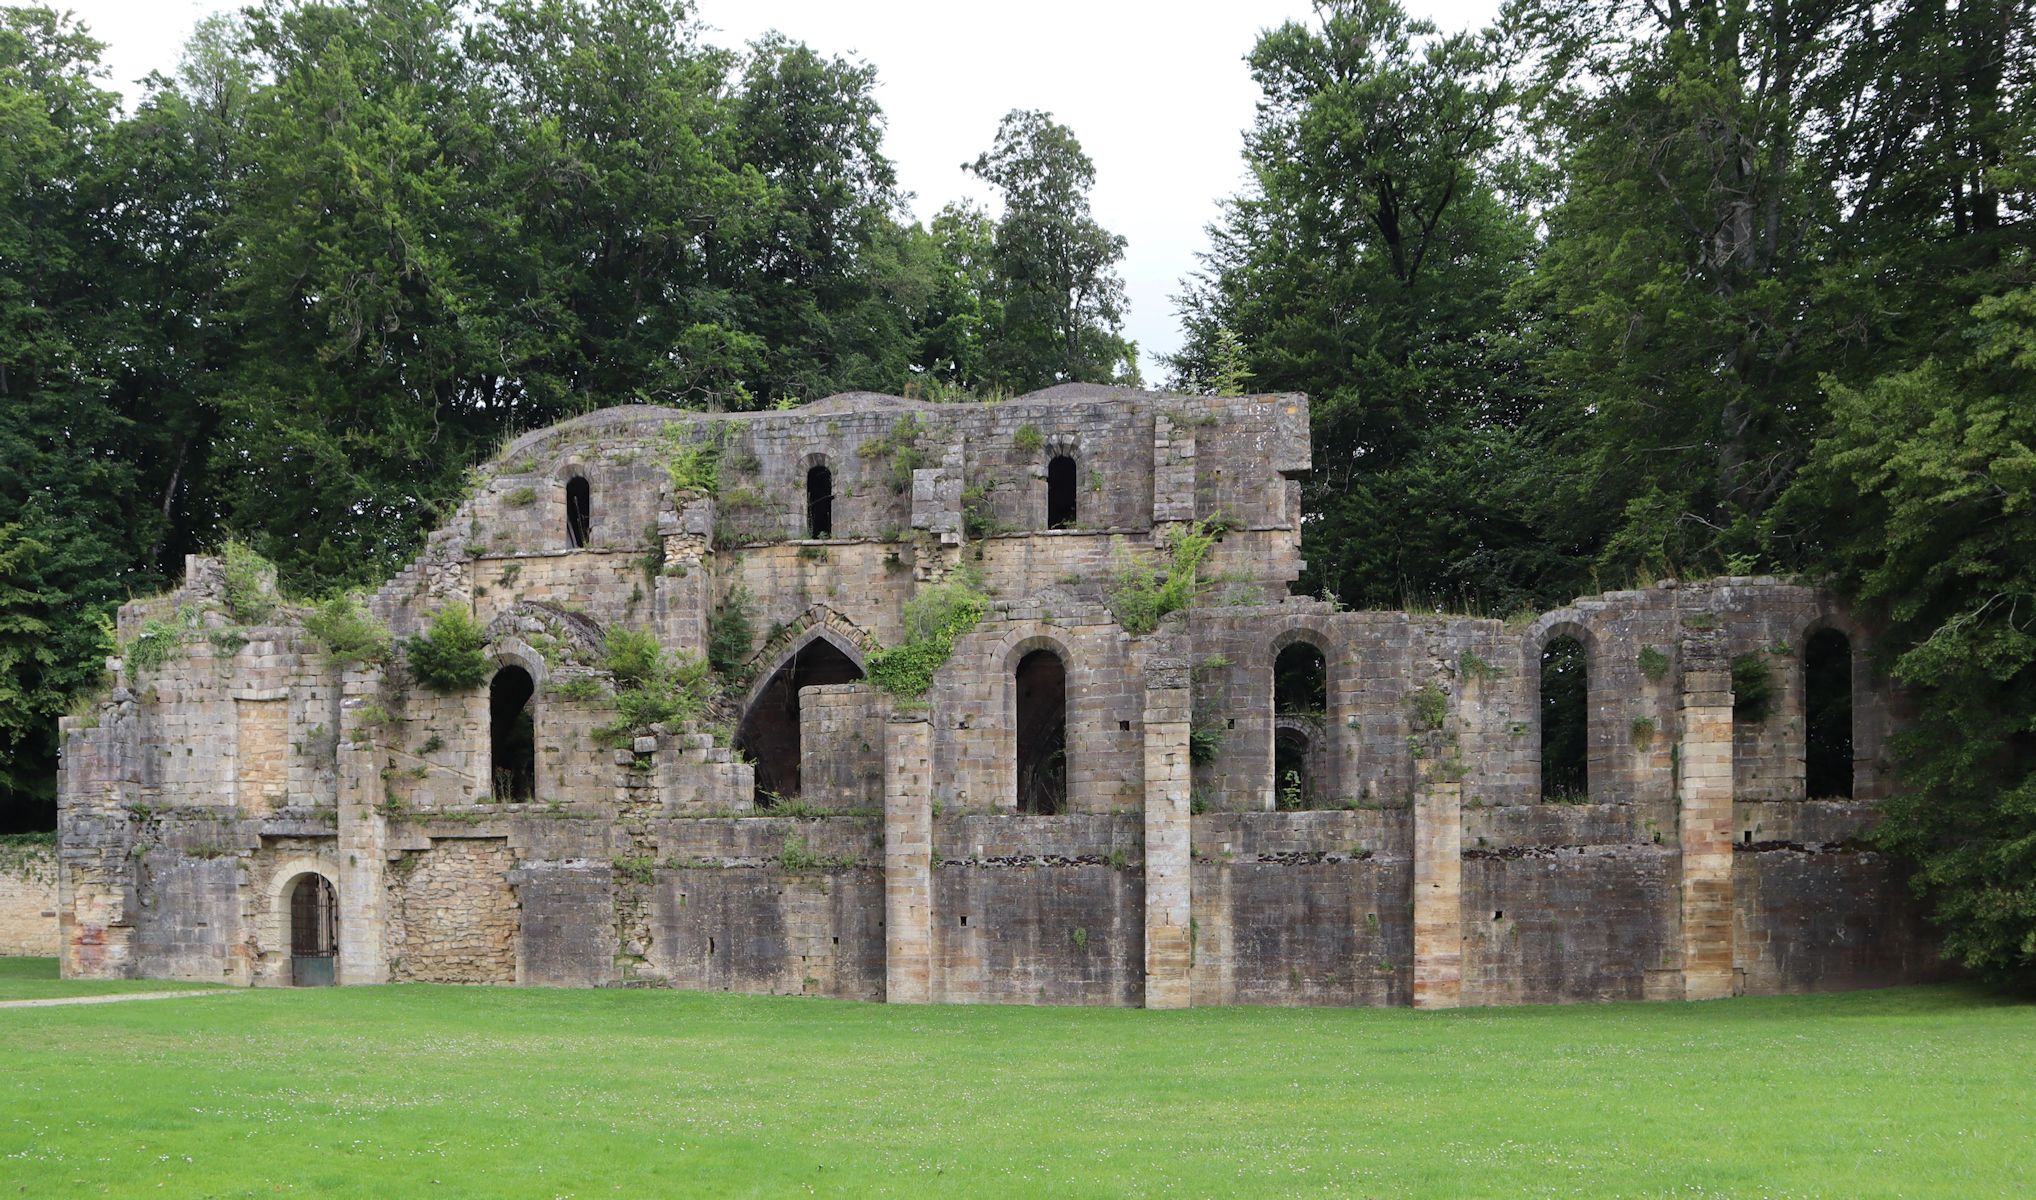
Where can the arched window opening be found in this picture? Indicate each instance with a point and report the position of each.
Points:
(512, 736)
(1300, 681)
(769, 734)
(1827, 715)
(579, 511)
(1293, 784)
(314, 932)
(1042, 734)
(819, 502)
(1565, 721)
(1060, 492)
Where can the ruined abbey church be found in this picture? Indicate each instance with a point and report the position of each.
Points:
(1228, 795)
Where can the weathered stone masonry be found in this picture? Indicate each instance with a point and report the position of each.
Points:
(1149, 854)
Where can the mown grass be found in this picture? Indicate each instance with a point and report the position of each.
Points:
(36, 979)
(433, 1091)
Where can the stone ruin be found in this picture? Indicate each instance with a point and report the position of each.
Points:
(1264, 799)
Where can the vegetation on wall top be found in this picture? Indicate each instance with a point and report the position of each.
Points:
(448, 656)
(934, 618)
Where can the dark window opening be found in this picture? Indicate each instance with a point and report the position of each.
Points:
(314, 931)
(1060, 492)
(820, 503)
(579, 512)
(1300, 681)
(1565, 721)
(1292, 787)
(769, 734)
(512, 736)
(1827, 715)
(1042, 734)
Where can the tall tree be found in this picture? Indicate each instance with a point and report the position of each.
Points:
(1055, 267)
(1372, 264)
(76, 511)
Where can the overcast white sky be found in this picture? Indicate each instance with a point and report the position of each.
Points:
(1158, 94)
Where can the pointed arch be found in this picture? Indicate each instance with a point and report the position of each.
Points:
(817, 622)
(769, 732)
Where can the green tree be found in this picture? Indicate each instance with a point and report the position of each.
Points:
(76, 512)
(1054, 267)
(1372, 263)
(1924, 489)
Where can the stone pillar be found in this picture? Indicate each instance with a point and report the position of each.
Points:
(363, 837)
(1438, 878)
(1704, 815)
(908, 859)
(1168, 902)
(1173, 473)
(684, 590)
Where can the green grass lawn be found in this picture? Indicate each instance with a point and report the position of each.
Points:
(439, 1091)
(36, 979)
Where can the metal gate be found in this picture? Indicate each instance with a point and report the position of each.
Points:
(314, 933)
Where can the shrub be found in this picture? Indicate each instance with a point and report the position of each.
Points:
(250, 583)
(1653, 663)
(155, 644)
(522, 497)
(1028, 438)
(652, 687)
(1205, 743)
(901, 446)
(633, 656)
(1752, 688)
(934, 619)
(349, 632)
(448, 657)
(731, 631)
(1428, 707)
(694, 466)
(1140, 597)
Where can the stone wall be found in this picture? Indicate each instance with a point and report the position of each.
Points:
(453, 915)
(1419, 861)
(28, 901)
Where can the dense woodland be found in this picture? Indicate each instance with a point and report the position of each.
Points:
(1607, 292)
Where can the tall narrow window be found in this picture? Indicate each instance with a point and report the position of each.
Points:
(314, 932)
(1827, 715)
(1060, 492)
(1300, 700)
(1300, 681)
(579, 511)
(1565, 721)
(1042, 734)
(512, 736)
(819, 502)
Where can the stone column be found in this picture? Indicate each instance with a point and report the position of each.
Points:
(1704, 810)
(1438, 878)
(363, 837)
(1168, 902)
(684, 590)
(908, 859)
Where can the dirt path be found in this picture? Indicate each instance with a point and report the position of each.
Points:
(53, 1001)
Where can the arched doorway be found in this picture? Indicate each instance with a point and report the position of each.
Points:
(512, 737)
(1041, 683)
(769, 733)
(314, 932)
